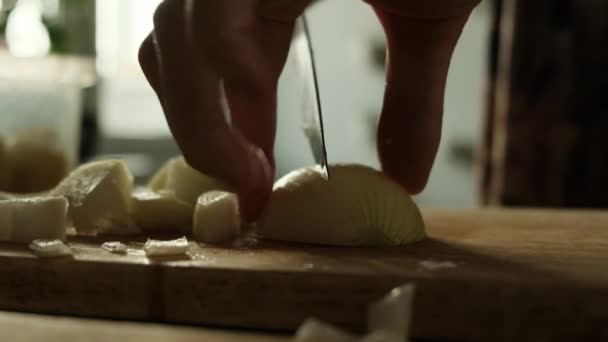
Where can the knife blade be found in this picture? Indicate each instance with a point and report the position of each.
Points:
(311, 115)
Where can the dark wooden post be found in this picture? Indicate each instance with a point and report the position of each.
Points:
(547, 116)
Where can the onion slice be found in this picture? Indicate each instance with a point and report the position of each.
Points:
(166, 247)
(116, 247)
(50, 248)
(358, 206)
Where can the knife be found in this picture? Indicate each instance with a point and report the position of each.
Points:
(312, 116)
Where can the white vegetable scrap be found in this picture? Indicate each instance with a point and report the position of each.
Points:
(432, 265)
(50, 248)
(114, 247)
(388, 321)
(166, 247)
(216, 217)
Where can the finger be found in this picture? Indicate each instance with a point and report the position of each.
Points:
(409, 131)
(149, 64)
(190, 88)
(251, 50)
(251, 86)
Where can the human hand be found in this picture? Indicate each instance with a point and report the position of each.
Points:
(198, 46)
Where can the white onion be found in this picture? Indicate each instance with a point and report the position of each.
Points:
(27, 219)
(358, 206)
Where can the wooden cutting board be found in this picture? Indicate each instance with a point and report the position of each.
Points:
(19, 327)
(482, 275)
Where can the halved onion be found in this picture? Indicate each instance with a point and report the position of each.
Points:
(358, 206)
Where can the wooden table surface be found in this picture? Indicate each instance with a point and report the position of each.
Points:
(482, 275)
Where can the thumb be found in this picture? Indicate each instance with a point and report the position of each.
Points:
(409, 131)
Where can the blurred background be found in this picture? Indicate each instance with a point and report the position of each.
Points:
(72, 65)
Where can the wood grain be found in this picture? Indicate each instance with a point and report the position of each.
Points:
(517, 275)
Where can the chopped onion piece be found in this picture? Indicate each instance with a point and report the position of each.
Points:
(393, 312)
(184, 181)
(114, 247)
(99, 193)
(50, 248)
(313, 330)
(27, 219)
(217, 217)
(158, 211)
(166, 247)
(159, 180)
